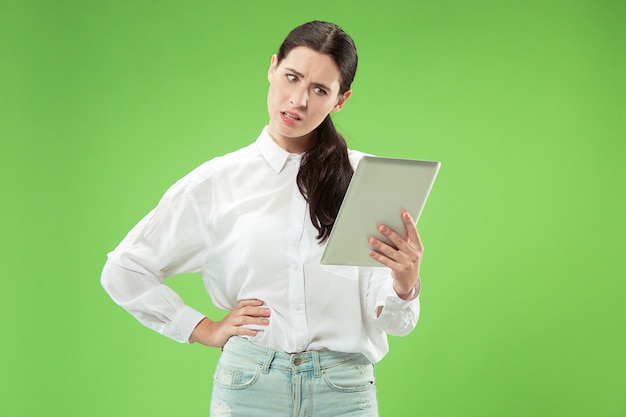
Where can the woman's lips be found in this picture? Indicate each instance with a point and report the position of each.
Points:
(289, 117)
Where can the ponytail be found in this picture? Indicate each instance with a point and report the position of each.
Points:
(325, 172)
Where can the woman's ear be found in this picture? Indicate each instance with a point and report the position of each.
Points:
(341, 100)
(273, 66)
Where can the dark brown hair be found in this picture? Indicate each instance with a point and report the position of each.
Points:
(325, 170)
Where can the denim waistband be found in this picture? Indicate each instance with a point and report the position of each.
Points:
(266, 358)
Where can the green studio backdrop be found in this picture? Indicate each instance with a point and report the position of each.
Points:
(104, 105)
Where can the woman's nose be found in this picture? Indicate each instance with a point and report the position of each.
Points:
(299, 97)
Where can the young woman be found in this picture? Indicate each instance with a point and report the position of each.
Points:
(300, 338)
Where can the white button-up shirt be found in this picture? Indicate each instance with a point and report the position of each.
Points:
(241, 222)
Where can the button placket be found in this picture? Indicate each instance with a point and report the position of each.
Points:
(297, 307)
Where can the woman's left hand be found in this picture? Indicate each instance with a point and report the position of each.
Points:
(403, 258)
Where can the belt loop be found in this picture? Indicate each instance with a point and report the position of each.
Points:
(268, 360)
(316, 364)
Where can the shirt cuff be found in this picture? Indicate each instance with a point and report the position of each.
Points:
(183, 324)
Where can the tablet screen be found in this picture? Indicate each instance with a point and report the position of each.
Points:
(380, 189)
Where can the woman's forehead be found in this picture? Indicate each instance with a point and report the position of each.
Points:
(320, 68)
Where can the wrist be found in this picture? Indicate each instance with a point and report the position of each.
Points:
(407, 293)
(201, 331)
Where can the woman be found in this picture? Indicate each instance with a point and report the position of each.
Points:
(300, 338)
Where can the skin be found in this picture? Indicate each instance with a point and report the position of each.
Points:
(304, 89)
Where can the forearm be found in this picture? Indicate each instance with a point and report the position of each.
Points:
(150, 301)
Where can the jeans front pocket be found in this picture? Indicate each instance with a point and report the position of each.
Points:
(236, 377)
(351, 377)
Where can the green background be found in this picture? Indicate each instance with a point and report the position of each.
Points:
(105, 104)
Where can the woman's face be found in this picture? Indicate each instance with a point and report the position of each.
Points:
(304, 88)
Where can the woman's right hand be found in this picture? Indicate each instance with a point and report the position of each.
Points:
(216, 333)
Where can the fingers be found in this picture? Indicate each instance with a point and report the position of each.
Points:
(383, 259)
(252, 307)
(406, 244)
(400, 253)
(411, 230)
(243, 320)
(248, 313)
(384, 250)
(249, 302)
(411, 237)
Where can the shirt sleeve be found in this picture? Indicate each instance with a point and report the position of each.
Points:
(398, 317)
(168, 241)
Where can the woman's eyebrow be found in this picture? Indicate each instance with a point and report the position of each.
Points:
(300, 75)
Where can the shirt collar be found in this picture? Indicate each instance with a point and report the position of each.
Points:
(272, 152)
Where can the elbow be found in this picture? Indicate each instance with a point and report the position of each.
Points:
(110, 280)
(403, 331)
(106, 279)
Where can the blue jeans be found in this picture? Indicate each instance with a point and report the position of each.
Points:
(254, 381)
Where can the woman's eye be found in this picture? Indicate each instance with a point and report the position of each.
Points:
(292, 78)
(320, 91)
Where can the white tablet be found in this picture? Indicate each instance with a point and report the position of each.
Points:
(378, 192)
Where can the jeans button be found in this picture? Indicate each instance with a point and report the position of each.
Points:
(297, 361)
